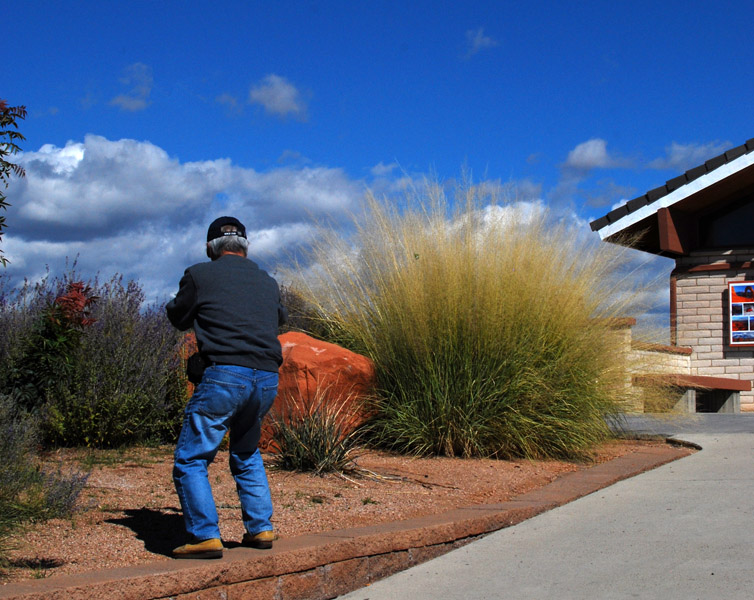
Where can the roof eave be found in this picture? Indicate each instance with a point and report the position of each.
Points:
(627, 220)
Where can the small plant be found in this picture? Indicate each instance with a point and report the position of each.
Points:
(368, 500)
(315, 435)
(94, 457)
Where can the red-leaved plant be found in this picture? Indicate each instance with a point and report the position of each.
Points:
(74, 306)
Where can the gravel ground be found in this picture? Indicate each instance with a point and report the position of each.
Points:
(129, 512)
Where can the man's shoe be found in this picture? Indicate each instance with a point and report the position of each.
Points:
(211, 548)
(262, 540)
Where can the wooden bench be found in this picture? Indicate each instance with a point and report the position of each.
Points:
(701, 393)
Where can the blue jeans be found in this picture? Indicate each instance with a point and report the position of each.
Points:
(228, 398)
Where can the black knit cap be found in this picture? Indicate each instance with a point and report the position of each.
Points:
(216, 228)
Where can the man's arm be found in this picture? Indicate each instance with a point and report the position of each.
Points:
(181, 310)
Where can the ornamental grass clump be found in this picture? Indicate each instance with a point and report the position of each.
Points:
(490, 325)
(316, 434)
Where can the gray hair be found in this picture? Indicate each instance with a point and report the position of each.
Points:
(227, 243)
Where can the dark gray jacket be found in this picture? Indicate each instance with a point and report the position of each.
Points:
(235, 310)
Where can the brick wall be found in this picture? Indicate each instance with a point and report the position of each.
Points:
(701, 293)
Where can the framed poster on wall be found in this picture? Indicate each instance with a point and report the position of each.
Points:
(741, 313)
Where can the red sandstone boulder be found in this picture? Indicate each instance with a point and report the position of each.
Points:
(186, 348)
(317, 375)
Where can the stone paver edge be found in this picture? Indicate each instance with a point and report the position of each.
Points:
(415, 539)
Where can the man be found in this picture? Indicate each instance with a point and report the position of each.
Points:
(235, 310)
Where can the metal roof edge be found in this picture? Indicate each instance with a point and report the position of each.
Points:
(622, 217)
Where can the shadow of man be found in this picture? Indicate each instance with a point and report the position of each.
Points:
(161, 530)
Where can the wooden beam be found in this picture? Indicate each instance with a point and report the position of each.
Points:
(675, 231)
(699, 382)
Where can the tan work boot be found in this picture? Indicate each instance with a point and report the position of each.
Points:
(211, 548)
(262, 540)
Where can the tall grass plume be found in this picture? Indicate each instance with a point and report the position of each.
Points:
(491, 325)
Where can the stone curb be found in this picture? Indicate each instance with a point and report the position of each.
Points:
(326, 565)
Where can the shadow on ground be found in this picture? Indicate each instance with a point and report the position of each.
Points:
(161, 530)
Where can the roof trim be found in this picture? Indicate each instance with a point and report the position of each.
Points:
(675, 190)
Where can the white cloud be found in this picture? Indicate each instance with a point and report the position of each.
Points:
(382, 169)
(272, 240)
(606, 191)
(476, 41)
(279, 97)
(591, 154)
(577, 169)
(526, 190)
(103, 183)
(682, 157)
(125, 206)
(138, 79)
(506, 215)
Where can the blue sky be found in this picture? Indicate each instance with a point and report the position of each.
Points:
(148, 119)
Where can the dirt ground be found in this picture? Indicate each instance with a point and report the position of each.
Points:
(129, 512)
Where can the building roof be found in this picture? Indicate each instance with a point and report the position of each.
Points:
(695, 190)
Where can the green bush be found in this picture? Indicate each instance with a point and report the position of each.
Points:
(125, 387)
(100, 370)
(46, 359)
(301, 316)
(490, 325)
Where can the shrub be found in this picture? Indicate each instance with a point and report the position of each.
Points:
(20, 313)
(100, 374)
(46, 360)
(125, 387)
(489, 325)
(27, 492)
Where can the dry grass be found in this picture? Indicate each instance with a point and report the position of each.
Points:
(489, 323)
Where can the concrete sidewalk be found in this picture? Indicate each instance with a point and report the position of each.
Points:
(684, 530)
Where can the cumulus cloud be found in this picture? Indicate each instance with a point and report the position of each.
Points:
(126, 206)
(576, 171)
(476, 41)
(138, 79)
(279, 97)
(591, 154)
(682, 157)
(382, 169)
